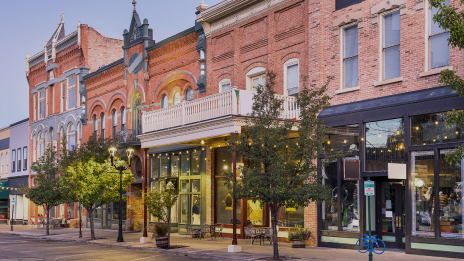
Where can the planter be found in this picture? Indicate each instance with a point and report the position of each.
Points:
(298, 244)
(161, 242)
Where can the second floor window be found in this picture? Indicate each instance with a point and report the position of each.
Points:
(19, 159)
(42, 104)
(189, 94)
(292, 79)
(25, 158)
(258, 80)
(95, 125)
(63, 95)
(350, 56)
(114, 129)
(102, 117)
(438, 42)
(72, 92)
(13, 160)
(391, 45)
(1, 170)
(224, 85)
(123, 119)
(71, 137)
(164, 101)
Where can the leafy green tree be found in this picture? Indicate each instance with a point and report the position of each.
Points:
(282, 167)
(89, 178)
(46, 189)
(448, 17)
(160, 203)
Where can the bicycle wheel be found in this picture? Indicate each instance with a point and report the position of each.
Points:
(378, 246)
(359, 244)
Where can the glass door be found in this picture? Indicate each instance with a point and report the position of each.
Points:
(392, 212)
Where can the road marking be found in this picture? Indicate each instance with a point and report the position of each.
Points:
(90, 253)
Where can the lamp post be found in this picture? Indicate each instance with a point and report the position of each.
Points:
(129, 153)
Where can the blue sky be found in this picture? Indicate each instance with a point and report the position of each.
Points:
(27, 24)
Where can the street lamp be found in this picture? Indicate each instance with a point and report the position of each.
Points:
(129, 153)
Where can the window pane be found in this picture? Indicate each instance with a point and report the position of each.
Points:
(72, 81)
(256, 82)
(439, 50)
(196, 210)
(384, 144)
(184, 185)
(290, 216)
(185, 164)
(224, 160)
(451, 197)
(175, 166)
(224, 202)
(434, 28)
(195, 185)
(196, 163)
(71, 142)
(342, 138)
(70, 210)
(72, 98)
(422, 193)
(350, 205)
(184, 208)
(330, 209)
(42, 109)
(351, 41)
(154, 167)
(25, 157)
(391, 29)
(189, 94)
(226, 87)
(255, 213)
(164, 166)
(351, 71)
(42, 149)
(431, 129)
(292, 76)
(392, 62)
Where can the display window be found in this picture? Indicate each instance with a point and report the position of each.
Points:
(431, 129)
(342, 138)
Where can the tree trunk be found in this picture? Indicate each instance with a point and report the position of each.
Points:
(92, 230)
(169, 228)
(275, 240)
(48, 220)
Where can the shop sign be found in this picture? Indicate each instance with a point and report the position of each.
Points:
(369, 188)
(13, 200)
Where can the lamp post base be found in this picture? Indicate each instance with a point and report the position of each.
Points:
(234, 249)
(120, 239)
(145, 240)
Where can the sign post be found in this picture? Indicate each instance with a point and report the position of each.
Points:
(369, 191)
(13, 201)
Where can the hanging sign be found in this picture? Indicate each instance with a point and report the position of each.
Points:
(369, 188)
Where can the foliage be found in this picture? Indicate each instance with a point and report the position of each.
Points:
(299, 233)
(449, 18)
(47, 189)
(160, 230)
(89, 178)
(282, 166)
(159, 204)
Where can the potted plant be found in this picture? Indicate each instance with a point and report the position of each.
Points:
(160, 235)
(298, 236)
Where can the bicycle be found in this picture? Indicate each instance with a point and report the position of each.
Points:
(371, 247)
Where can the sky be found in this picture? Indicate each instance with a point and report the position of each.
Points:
(27, 24)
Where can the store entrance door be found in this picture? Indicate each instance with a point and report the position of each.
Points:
(391, 210)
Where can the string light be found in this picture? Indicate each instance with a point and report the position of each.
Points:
(436, 122)
(362, 138)
(417, 127)
(397, 132)
(344, 141)
(328, 142)
(380, 135)
(202, 142)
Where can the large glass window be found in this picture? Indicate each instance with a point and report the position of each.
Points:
(255, 213)
(330, 209)
(13, 160)
(19, 159)
(391, 45)
(224, 204)
(345, 138)
(438, 41)
(292, 79)
(114, 129)
(431, 128)
(350, 56)
(422, 193)
(450, 195)
(384, 144)
(70, 210)
(24, 157)
(350, 205)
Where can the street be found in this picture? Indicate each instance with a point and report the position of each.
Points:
(14, 247)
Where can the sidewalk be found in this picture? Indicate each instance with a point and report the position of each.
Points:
(214, 249)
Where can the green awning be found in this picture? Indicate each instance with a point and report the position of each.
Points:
(4, 192)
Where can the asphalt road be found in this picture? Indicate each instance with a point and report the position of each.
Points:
(13, 247)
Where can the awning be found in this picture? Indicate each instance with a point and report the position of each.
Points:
(4, 192)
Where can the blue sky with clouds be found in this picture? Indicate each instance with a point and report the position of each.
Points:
(27, 24)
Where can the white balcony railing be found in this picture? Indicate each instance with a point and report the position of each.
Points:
(234, 102)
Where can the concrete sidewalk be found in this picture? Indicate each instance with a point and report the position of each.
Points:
(205, 248)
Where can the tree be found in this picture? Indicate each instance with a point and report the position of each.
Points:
(90, 179)
(282, 167)
(46, 188)
(449, 18)
(159, 204)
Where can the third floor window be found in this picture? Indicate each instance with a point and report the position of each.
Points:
(391, 45)
(350, 56)
(438, 42)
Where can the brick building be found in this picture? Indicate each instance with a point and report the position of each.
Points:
(5, 156)
(54, 101)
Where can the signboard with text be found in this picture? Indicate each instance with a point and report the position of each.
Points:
(369, 188)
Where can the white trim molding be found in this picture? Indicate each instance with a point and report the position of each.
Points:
(223, 82)
(288, 63)
(385, 6)
(350, 18)
(257, 71)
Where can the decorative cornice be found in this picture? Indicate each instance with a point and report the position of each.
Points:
(386, 6)
(347, 19)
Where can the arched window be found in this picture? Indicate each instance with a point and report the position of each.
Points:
(102, 118)
(46, 139)
(95, 126)
(176, 98)
(50, 137)
(164, 101)
(291, 77)
(41, 144)
(189, 94)
(224, 85)
(123, 119)
(114, 119)
(71, 134)
(136, 113)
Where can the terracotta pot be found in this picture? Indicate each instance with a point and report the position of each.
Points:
(298, 243)
(162, 242)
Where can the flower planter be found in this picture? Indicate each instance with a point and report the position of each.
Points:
(298, 244)
(161, 242)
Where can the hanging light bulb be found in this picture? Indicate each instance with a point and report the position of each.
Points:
(436, 122)
(328, 142)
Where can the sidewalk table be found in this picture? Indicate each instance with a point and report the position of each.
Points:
(259, 232)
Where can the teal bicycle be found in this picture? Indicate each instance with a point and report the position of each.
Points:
(376, 245)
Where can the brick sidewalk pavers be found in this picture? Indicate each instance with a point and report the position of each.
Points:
(205, 248)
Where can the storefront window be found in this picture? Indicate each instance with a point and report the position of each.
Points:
(450, 197)
(40, 211)
(224, 203)
(290, 216)
(345, 138)
(175, 166)
(164, 166)
(431, 129)
(196, 162)
(255, 213)
(97, 213)
(116, 210)
(185, 161)
(184, 208)
(422, 173)
(350, 205)
(154, 167)
(61, 210)
(330, 209)
(384, 144)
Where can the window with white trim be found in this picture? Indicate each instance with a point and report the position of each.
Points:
(176, 98)
(224, 85)
(34, 148)
(291, 77)
(439, 49)
(13, 160)
(6, 161)
(79, 134)
(189, 94)
(114, 119)
(42, 104)
(350, 56)
(72, 92)
(95, 125)
(123, 119)
(19, 158)
(63, 96)
(25, 158)
(41, 144)
(71, 134)
(391, 45)
(102, 122)
(258, 80)
(164, 101)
